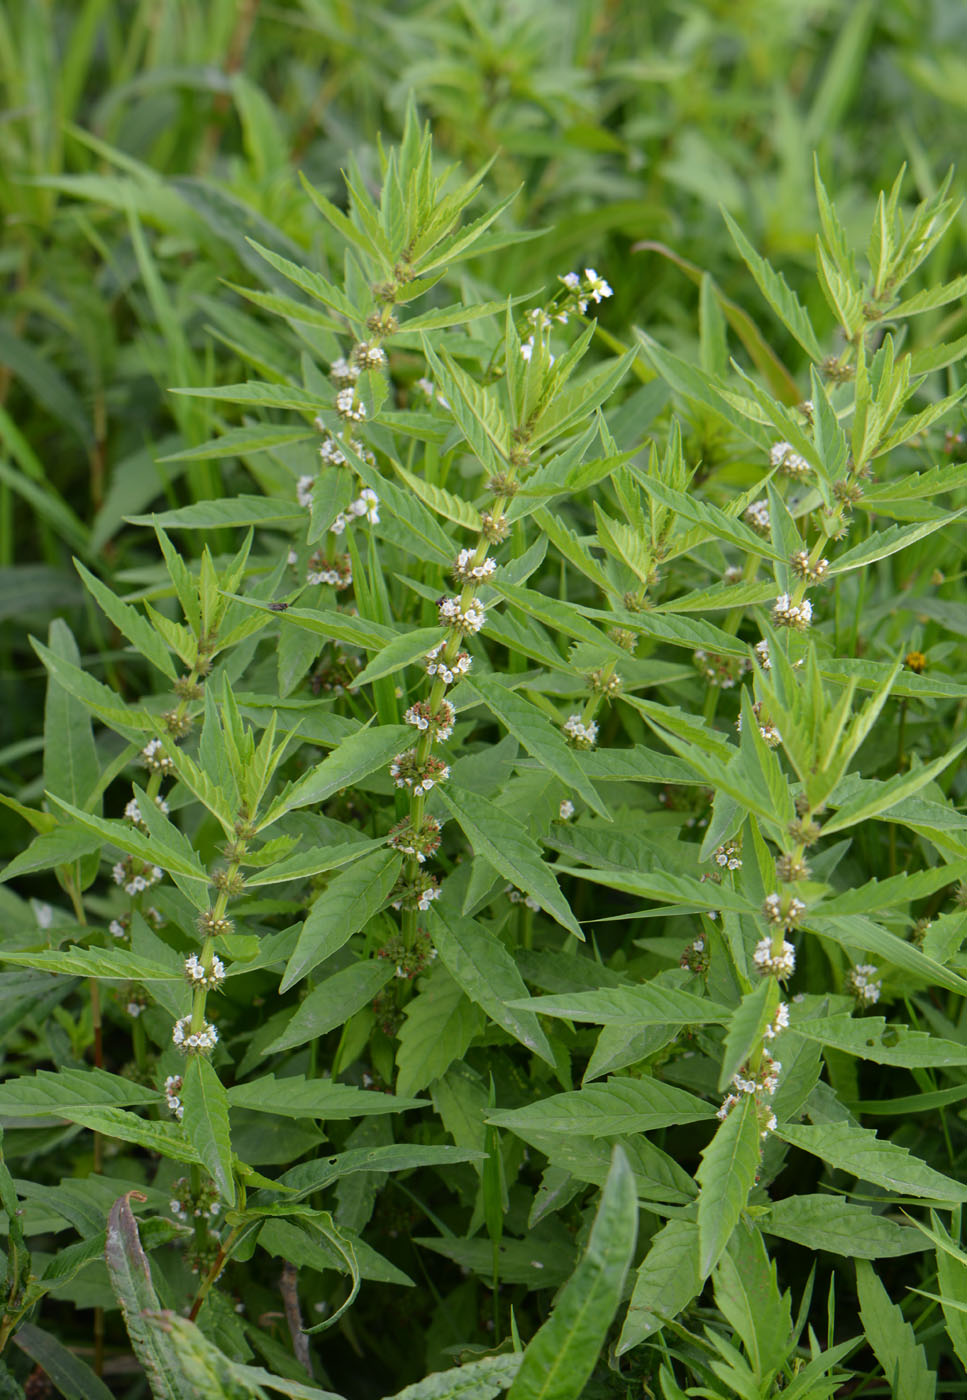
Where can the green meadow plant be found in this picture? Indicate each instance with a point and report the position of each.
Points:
(502, 833)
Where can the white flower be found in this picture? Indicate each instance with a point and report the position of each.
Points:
(779, 1023)
(339, 524)
(566, 810)
(786, 613)
(370, 501)
(582, 735)
(116, 929)
(785, 459)
(770, 1124)
(757, 515)
(571, 280)
(292, 557)
(464, 619)
(862, 982)
(199, 976)
(343, 372)
(348, 406)
(43, 913)
(527, 349)
(597, 288)
(303, 491)
(781, 964)
(332, 455)
(733, 574)
(183, 1036)
(762, 655)
(430, 893)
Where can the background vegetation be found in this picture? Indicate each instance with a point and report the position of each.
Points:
(145, 149)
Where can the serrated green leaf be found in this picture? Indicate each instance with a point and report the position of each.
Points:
(206, 1123)
(343, 908)
(559, 1359)
(861, 1153)
(541, 740)
(777, 292)
(497, 835)
(840, 1227)
(726, 1175)
(617, 1107)
(667, 1280)
(439, 1024)
(129, 621)
(333, 1002)
(892, 1339)
(480, 964)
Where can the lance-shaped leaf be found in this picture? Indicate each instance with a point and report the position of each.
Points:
(840, 1227)
(777, 292)
(333, 1002)
(638, 1006)
(351, 761)
(507, 845)
(892, 1339)
(129, 622)
(861, 1153)
(297, 1097)
(726, 1175)
(537, 735)
(206, 1122)
(97, 962)
(668, 1279)
(45, 1094)
(353, 898)
(560, 1357)
(480, 964)
(127, 838)
(72, 1376)
(130, 1274)
(608, 1110)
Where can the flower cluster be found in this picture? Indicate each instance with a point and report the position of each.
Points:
(786, 460)
(439, 723)
(200, 976)
(172, 1096)
(369, 356)
(581, 735)
(408, 962)
(133, 812)
(790, 868)
(519, 897)
(786, 613)
(338, 572)
(416, 839)
(728, 856)
(783, 913)
(721, 671)
(467, 619)
(590, 287)
(135, 875)
(448, 673)
(759, 1084)
(408, 772)
(767, 729)
(185, 1205)
(418, 893)
(803, 568)
(186, 1039)
(465, 570)
(566, 810)
(773, 964)
(758, 517)
(862, 983)
(695, 957)
(349, 406)
(154, 757)
(343, 373)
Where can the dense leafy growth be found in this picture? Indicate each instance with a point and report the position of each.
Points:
(483, 907)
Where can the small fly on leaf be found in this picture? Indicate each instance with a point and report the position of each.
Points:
(278, 607)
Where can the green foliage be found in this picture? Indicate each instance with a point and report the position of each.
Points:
(472, 987)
